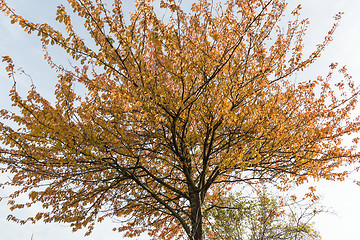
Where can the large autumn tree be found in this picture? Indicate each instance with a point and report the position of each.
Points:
(177, 109)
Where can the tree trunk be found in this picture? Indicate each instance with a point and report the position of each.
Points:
(196, 217)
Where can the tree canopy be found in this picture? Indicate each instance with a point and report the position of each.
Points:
(178, 108)
(263, 216)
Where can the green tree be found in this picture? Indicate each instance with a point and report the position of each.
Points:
(262, 217)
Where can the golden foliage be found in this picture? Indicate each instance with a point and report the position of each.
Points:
(175, 112)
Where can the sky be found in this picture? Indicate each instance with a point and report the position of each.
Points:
(341, 197)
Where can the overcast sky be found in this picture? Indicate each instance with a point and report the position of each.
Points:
(343, 198)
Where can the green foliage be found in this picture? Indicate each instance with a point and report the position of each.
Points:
(262, 217)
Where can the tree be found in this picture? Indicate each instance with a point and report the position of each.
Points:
(177, 110)
(263, 217)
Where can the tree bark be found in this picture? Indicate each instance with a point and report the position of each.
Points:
(196, 217)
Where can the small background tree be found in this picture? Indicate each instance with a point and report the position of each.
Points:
(263, 216)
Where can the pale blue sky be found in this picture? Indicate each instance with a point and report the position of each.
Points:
(26, 52)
